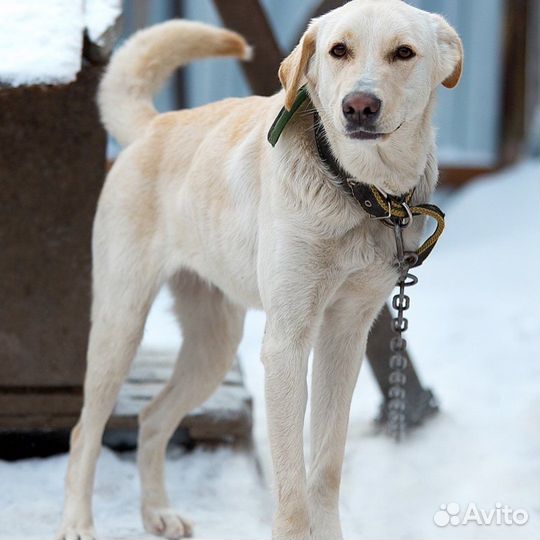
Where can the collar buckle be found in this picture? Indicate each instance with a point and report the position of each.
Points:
(385, 217)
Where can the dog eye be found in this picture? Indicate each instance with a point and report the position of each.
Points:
(339, 50)
(404, 53)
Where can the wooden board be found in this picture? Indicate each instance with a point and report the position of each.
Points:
(226, 415)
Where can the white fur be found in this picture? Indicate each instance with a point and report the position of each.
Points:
(200, 200)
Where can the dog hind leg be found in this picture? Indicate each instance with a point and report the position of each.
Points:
(123, 292)
(212, 329)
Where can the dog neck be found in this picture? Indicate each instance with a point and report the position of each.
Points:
(395, 166)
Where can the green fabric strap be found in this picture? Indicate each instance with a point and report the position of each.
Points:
(282, 119)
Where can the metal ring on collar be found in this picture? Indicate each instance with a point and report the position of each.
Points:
(405, 222)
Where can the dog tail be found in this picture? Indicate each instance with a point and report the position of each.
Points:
(139, 68)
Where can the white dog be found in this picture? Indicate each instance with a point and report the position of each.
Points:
(200, 200)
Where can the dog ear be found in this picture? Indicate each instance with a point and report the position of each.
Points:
(450, 53)
(293, 69)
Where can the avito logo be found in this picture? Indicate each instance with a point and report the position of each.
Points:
(451, 514)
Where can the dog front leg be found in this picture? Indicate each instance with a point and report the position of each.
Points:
(338, 354)
(285, 365)
(293, 311)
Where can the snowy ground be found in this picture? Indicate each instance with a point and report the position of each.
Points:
(475, 337)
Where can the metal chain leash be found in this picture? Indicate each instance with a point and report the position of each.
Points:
(396, 403)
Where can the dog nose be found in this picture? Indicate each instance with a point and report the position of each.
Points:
(361, 108)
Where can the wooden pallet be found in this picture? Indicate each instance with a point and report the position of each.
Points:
(227, 414)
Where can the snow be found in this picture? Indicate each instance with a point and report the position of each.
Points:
(99, 16)
(475, 339)
(200, 482)
(41, 41)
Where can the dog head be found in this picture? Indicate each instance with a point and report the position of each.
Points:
(372, 66)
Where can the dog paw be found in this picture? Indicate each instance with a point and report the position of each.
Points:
(166, 522)
(76, 533)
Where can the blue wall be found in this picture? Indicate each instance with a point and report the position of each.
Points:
(468, 116)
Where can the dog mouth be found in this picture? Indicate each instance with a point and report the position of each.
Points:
(363, 135)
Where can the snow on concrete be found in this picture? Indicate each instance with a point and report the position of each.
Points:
(475, 338)
(41, 40)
